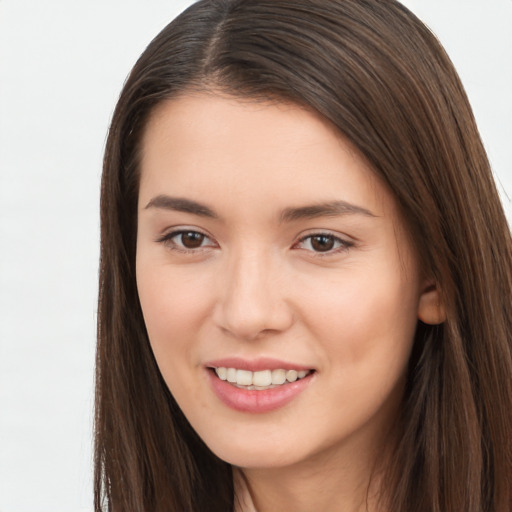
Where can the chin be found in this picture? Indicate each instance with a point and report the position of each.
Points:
(256, 454)
(256, 459)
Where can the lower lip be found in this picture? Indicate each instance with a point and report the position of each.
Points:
(254, 401)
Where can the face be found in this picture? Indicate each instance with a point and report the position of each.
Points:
(278, 285)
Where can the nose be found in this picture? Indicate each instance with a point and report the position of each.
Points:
(252, 301)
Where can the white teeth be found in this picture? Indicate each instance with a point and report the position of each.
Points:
(222, 373)
(278, 376)
(291, 375)
(243, 377)
(264, 379)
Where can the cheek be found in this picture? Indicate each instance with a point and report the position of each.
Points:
(366, 319)
(365, 326)
(174, 305)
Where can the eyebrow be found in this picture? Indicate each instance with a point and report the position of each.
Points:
(181, 204)
(329, 209)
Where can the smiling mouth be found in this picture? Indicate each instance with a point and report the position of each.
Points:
(260, 380)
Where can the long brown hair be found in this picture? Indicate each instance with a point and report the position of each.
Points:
(377, 73)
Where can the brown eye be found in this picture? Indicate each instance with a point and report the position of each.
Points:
(184, 240)
(322, 243)
(191, 239)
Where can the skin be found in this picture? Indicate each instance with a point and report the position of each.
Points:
(256, 286)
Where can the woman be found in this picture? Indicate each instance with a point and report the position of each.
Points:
(305, 271)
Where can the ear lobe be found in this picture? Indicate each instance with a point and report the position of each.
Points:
(431, 309)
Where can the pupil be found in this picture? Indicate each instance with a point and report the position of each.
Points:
(322, 243)
(192, 239)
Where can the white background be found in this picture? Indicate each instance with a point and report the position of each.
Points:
(62, 64)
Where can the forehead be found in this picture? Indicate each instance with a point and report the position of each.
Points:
(201, 144)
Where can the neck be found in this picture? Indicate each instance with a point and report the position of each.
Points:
(334, 481)
(330, 487)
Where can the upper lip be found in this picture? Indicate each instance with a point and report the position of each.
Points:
(255, 365)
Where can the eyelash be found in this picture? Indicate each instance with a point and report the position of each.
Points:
(168, 240)
(343, 245)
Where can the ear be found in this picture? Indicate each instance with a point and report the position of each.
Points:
(431, 309)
